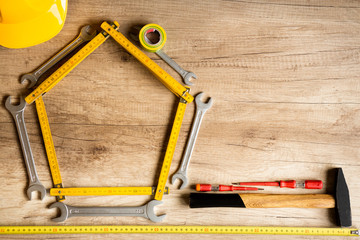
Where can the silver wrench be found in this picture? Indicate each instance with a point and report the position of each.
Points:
(201, 109)
(86, 34)
(183, 73)
(17, 111)
(146, 211)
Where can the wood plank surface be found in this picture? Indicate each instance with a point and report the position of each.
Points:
(285, 79)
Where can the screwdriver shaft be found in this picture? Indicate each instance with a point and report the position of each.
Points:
(276, 184)
(222, 188)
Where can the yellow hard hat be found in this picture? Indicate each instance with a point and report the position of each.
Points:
(25, 23)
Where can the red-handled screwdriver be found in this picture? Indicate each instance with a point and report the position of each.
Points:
(308, 184)
(221, 188)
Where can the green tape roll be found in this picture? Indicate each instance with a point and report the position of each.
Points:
(148, 44)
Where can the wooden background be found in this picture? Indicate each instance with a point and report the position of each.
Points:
(284, 76)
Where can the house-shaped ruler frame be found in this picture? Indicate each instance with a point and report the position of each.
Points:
(110, 29)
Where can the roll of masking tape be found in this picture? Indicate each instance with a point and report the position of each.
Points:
(152, 37)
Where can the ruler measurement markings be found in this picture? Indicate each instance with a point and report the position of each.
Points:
(164, 173)
(48, 84)
(102, 191)
(59, 74)
(178, 229)
(49, 145)
(173, 85)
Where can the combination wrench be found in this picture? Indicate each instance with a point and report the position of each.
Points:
(146, 211)
(86, 34)
(201, 109)
(17, 111)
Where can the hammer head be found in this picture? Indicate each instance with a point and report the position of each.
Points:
(342, 197)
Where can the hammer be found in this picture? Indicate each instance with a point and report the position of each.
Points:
(341, 200)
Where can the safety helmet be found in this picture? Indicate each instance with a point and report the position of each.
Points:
(25, 23)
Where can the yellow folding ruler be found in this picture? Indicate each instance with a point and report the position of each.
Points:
(173, 85)
(60, 73)
(103, 191)
(49, 145)
(55, 171)
(179, 230)
(163, 76)
(170, 149)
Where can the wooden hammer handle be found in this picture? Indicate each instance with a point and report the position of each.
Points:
(253, 200)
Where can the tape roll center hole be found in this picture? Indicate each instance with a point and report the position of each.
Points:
(153, 37)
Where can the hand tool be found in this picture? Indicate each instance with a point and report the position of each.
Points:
(49, 146)
(86, 34)
(102, 191)
(183, 229)
(308, 184)
(186, 75)
(170, 149)
(341, 200)
(201, 109)
(146, 211)
(155, 69)
(156, 47)
(69, 65)
(17, 111)
(222, 188)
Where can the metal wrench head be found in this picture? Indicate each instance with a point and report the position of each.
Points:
(182, 176)
(64, 211)
(30, 77)
(87, 33)
(36, 188)
(182, 172)
(150, 213)
(187, 77)
(15, 108)
(202, 105)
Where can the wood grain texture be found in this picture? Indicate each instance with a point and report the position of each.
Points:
(252, 200)
(284, 76)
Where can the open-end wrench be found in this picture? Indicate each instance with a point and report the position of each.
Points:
(183, 73)
(86, 34)
(146, 211)
(17, 111)
(201, 109)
